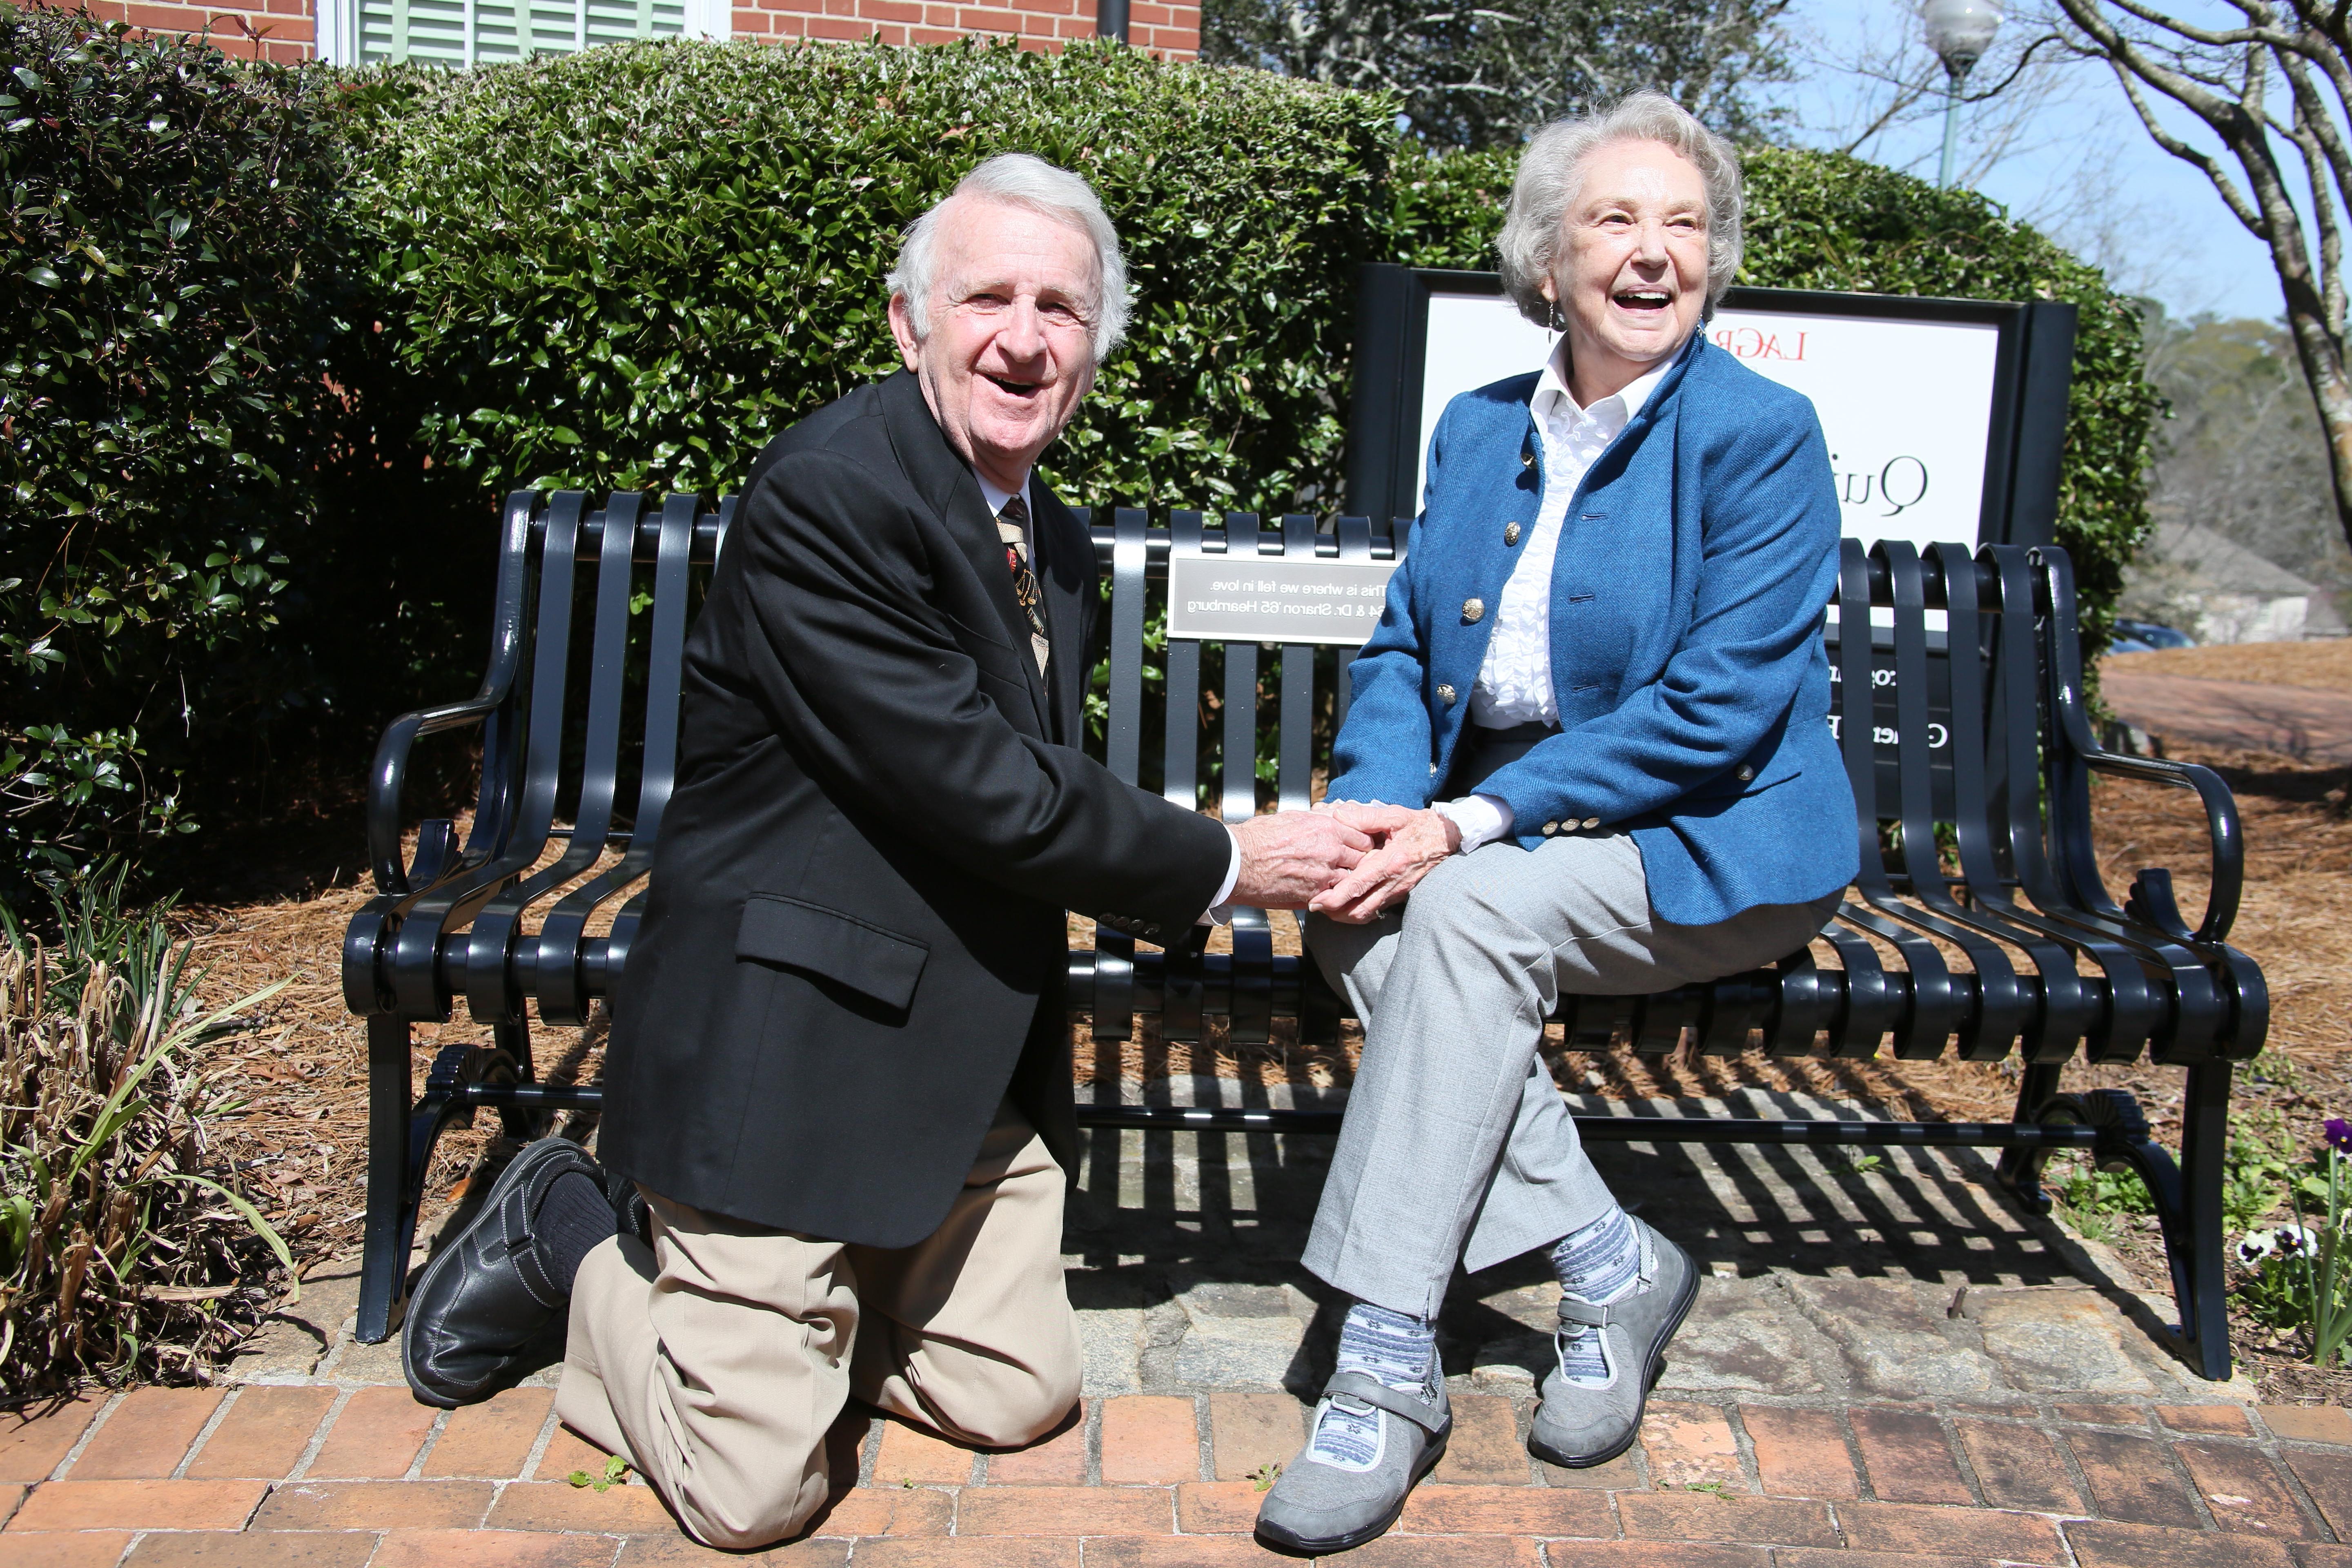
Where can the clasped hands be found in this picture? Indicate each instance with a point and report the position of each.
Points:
(1346, 859)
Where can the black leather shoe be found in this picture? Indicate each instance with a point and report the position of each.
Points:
(486, 1299)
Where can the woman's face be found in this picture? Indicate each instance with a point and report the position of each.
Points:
(1630, 274)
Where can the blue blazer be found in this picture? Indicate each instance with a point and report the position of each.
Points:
(1686, 609)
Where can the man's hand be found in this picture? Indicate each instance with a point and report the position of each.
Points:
(1414, 847)
(1290, 857)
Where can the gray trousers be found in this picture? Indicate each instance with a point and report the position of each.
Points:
(1457, 1145)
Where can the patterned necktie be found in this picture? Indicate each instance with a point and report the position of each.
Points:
(1013, 528)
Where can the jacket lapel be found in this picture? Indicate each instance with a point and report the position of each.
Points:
(947, 485)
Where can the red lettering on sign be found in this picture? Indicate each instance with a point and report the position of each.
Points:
(1751, 342)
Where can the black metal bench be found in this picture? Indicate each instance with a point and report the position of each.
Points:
(1971, 777)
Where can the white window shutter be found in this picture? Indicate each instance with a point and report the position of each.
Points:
(337, 35)
(469, 32)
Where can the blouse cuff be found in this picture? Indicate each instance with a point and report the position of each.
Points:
(1483, 818)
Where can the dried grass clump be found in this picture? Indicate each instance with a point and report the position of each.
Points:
(125, 1252)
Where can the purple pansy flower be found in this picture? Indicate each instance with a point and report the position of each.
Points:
(2339, 1134)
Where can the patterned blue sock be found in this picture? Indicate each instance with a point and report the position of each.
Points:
(1599, 1263)
(1401, 1352)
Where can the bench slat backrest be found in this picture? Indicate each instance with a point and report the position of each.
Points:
(1971, 800)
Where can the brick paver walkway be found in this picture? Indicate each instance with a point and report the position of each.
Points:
(1887, 1368)
(336, 1478)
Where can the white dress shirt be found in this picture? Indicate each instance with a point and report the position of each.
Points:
(996, 499)
(1515, 682)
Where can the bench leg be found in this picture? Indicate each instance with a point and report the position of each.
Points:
(401, 1141)
(2020, 1169)
(383, 1258)
(2187, 1196)
(2199, 1281)
(515, 1040)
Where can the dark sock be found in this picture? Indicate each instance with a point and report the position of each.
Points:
(573, 1217)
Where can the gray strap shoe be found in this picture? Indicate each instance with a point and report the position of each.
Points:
(1578, 1427)
(1319, 1505)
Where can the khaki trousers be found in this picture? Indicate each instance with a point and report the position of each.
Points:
(716, 1360)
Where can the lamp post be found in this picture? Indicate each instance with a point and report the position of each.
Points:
(1959, 31)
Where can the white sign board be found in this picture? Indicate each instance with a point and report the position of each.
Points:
(1269, 599)
(1907, 406)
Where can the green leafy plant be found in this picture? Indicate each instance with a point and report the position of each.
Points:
(126, 1250)
(172, 277)
(2091, 1223)
(2301, 1274)
(635, 266)
(615, 1473)
(2086, 1188)
(2256, 1171)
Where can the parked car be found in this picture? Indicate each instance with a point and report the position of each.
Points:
(2146, 637)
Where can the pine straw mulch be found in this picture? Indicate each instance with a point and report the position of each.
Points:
(303, 1134)
(2323, 665)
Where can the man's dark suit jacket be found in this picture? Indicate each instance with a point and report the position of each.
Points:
(854, 940)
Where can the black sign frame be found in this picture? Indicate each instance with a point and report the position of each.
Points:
(2034, 374)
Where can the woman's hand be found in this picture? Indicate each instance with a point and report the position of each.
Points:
(1416, 843)
(1372, 817)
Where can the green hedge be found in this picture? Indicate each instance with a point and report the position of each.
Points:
(632, 267)
(1819, 220)
(173, 274)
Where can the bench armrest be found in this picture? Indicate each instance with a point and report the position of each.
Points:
(2228, 843)
(437, 848)
(2152, 896)
(387, 777)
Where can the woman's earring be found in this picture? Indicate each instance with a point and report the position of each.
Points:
(1559, 323)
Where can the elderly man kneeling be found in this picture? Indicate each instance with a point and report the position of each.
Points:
(837, 1095)
(1592, 729)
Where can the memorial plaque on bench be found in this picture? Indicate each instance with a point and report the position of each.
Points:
(1272, 599)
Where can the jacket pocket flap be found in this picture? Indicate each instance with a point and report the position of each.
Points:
(866, 958)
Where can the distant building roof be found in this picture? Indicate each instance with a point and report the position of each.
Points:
(2223, 565)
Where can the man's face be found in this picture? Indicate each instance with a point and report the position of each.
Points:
(1010, 345)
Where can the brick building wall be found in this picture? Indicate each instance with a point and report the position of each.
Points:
(289, 29)
(1172, 31)
(283, 30)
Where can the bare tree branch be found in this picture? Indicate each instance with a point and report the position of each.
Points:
(1894, 82)
(2222, 76)
(1484, 75)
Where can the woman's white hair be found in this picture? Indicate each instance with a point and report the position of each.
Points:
(1551, 177)
(1021, 180)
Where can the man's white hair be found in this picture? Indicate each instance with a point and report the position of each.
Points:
(1551, 177)
(1021, 180)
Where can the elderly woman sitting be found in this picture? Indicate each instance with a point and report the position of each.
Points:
(1593, 728)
